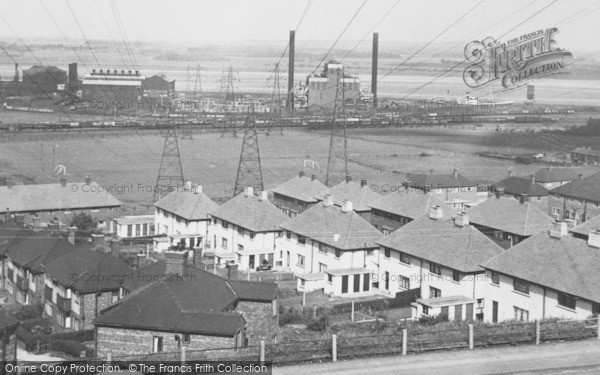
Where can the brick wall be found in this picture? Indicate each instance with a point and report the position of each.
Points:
(261, 323)
(120, 342)
(11, 347)
(88, 307)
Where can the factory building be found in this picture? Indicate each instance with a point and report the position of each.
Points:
(113, 89)
(322, 87)
(157, 88)
(35, 81)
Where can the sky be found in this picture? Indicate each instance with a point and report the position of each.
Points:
(237, 21)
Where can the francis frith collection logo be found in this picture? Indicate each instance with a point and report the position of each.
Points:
(515, 62)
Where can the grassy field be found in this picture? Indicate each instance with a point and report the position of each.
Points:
(128, 162)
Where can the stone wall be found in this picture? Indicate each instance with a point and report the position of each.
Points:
(261, 323)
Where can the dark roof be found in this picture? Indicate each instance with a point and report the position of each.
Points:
(586, 151)
(333, 227)
(7, 320)
(146, 275)
(522, 186)
(411, 204)
(96, 270)
(509, 215)
(443, 242)
(361, 195)
(587, 188)
(156, 82)
(252, 213)
(10, 233)
(188, 205)
(565, 264)
(303, 188)
(550, 174)
(436, 181)
(33, 252)
(36, 69)
(198, 302)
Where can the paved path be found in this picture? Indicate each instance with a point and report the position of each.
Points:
(577, 357)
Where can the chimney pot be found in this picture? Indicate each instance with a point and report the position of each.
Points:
(88, 180)
(455, 173)
(188, 186)
(301, 174)
(499, 192)
(262, 196)
(198, 189)
(327, 201)
(347, 206)
(363, 182)
(249, 191)
(436, 213)
(348, 178)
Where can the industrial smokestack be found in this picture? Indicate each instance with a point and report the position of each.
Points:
(290, 93)
(374, 68)
(16, 79)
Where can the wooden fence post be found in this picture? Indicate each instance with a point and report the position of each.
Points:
(352, 316)
(182, 355)
(108, 358)
(598, 330)
(471, 336)
(404, 340)
(334, 348)
(304, 298)
(262, 352)
(537, 332)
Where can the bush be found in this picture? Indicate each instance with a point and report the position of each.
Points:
(433, 320)
(69, 347)
(319, 324)
(28, 312)
(286, 318)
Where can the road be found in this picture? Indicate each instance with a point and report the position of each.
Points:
(580, 357)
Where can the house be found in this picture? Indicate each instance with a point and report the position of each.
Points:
(133, 226)
(8, 335)
(585, 156)
(583, 230)
(440, 258)
(453, 188)
(330, 248)
(523, 188)
(187, 307)
(394, 210)
(549, 275)
(80, 283)
(46, 202)
(298, 194)
(360, 194)
(181, 218)
(244, 229)
(577, 202)
(23, 263)
(508, 221)
(552, 177)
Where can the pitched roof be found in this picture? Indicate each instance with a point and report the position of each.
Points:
(49, 197)
(251, 212)
(333, 227)
(187, 204)
(587, 188)
(196, 302)
(521, 186)
(10, 233)
(96, 270)
(550, 174)
(585, 227)
(436, 181)
(361, 195)
(509, 215)
(443, 242)
(42, 69)
(565, 264)
(303, 188)
(587, 151)
(32, 252)
(411, 204)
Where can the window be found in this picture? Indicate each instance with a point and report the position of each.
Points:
(225, 224)
(495, 278)
(329, 278)
(404, 282)
(521, 314)
(338, 252)
(435, 268)
(145, 232)
(224, 243)
(214, 221)
(566, 300)
(252, 235)
(288, 234)
(300, 261)
(434, 292)
(301, 241)
(404, 258)
(456, 276)
(157, 344)
(240, 231)
(596, 308)
(130, 230)
(240, 247)
(322, 267)
(386, 252)
(425, 310)
(322, 248)
(521, 286)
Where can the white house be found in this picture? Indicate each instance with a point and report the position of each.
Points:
(181, 218)
(440, 258)
(330, 248)
(132, 226)
(549, 275)
(244, 229)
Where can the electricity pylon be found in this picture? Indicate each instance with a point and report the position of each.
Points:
(170, 173)
(249, 168)
(276, 112)
(337, 162)
(228, 93)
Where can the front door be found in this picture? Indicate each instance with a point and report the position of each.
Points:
(345, 284)
(469, 312)
(270, 259)
(251, 262)
(494, 312)
(357, 283)
(288, 259)
(458, 312)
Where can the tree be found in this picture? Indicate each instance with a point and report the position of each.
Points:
(85, 225)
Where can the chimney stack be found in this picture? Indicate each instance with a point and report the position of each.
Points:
(188, 186)
(374, 68)
(198, 189)
(327, 201)
(462, 219)
(348, 178)
(6, 215)
(301, 174)
(509, 174)
(363, 182)
(88, 180)
(248, 191)
(313, 177)
(97, 241)
(559, 229)
(594, 238)
(175, 262)
(347, 206)
(114, 247)
(455, 173)
(523, 198)
(232, 271)
(533, 179)
(499, 192)
(63, 181)
(262, 196)
(436, 213)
